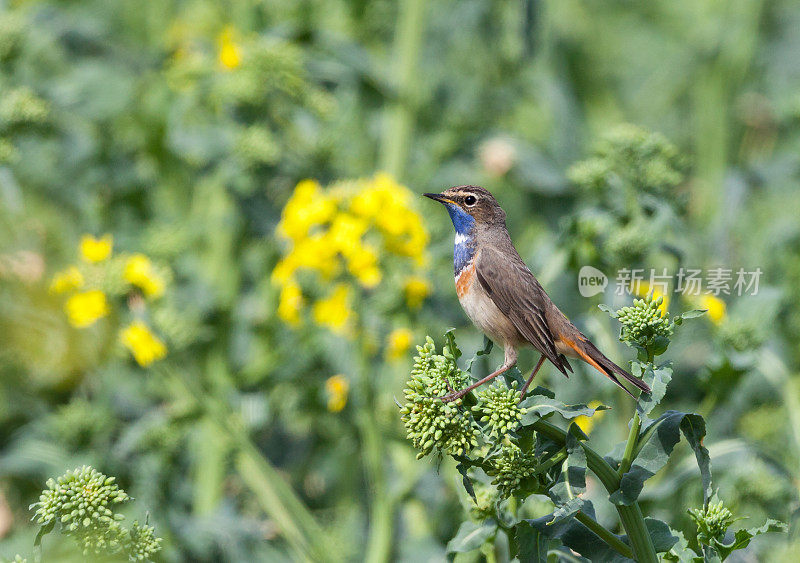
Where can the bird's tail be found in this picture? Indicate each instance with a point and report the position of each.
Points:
(594, 357)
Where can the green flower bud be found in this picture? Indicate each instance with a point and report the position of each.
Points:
(510, 467)
(712, 522)
(644, 321)
(499, 406)
(431, 424)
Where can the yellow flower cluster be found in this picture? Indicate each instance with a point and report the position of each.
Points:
(337, 389)
(716, 308)
(139, 272)
(96, 250)
(88, 302)
(66, 280)
(345, 231)
(399, 342)
(143, 344)
(85, 308)
(230, 56)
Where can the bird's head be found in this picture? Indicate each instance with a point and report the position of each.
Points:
(470, 206)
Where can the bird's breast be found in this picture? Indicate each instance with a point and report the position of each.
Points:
(480, 308)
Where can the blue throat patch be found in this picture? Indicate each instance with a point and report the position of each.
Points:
(464, 250)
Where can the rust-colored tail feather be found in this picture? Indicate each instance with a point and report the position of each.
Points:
(596, 358)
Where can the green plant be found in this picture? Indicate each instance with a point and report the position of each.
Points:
(513, 441)
(81, 502)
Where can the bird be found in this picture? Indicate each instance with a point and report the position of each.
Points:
(503, 298)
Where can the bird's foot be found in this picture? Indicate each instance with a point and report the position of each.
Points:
(450, 397)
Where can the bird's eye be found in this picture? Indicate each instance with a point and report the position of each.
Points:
(470, 200)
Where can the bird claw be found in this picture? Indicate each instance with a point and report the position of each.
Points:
(452, 397)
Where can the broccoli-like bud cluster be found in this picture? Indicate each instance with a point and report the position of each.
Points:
(500, 408)
(432, 424)
(82, 502)
(712, 521)
(644, 321)
(510, 467)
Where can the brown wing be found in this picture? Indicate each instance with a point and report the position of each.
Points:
(517, 293)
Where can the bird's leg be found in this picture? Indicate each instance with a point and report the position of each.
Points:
(459, 394)
(510, 361)
(530, 379)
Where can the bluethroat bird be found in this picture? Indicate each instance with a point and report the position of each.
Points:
(505, 300)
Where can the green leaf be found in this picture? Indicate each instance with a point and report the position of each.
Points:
(532, 544)
(578, 537)
(657, 379)
(660, 533)
(693, 313)
(450, 348)
(467, 482)
(487, 349)
(471, 536)
(680, 552)
(655, 445)
(572, 480)
(606, 309)
(43, 531)
(741, 538)
(540, 406)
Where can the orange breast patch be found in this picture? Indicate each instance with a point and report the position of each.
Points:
(464, 280)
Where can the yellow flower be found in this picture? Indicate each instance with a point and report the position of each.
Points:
(290, 303)
(716, 308)
(66, 280)
(143, 344)
(399, 343)
(229, 54)
(416, 289)
(586, 423)
(94, 249)
(334, 312)
(139, 271)
(346, 232)
(363, 264)
(315, 253)
(308, 207)
(337, 389)
(85, 308)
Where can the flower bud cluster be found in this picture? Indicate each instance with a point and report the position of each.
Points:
(511, 467)
(82, 502)
(500, 408)
(712, 522)
(432, 424)
(644, 321)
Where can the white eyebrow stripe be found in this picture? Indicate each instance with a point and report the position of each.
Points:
(461, 238)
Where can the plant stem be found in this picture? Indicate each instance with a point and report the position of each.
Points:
(557, 457)
(630, 446)
(633, 434)
(400, 118)
(606, 535)
(268, 486)
(630, 515)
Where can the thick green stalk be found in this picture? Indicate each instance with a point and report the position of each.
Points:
(274, 495)
(630, 515)
(400, 118)
(607, 536)
(211, 453)
(630, 445)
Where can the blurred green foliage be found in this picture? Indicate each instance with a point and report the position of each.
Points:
(182, 128)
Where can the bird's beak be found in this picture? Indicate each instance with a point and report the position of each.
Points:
(439, 197)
